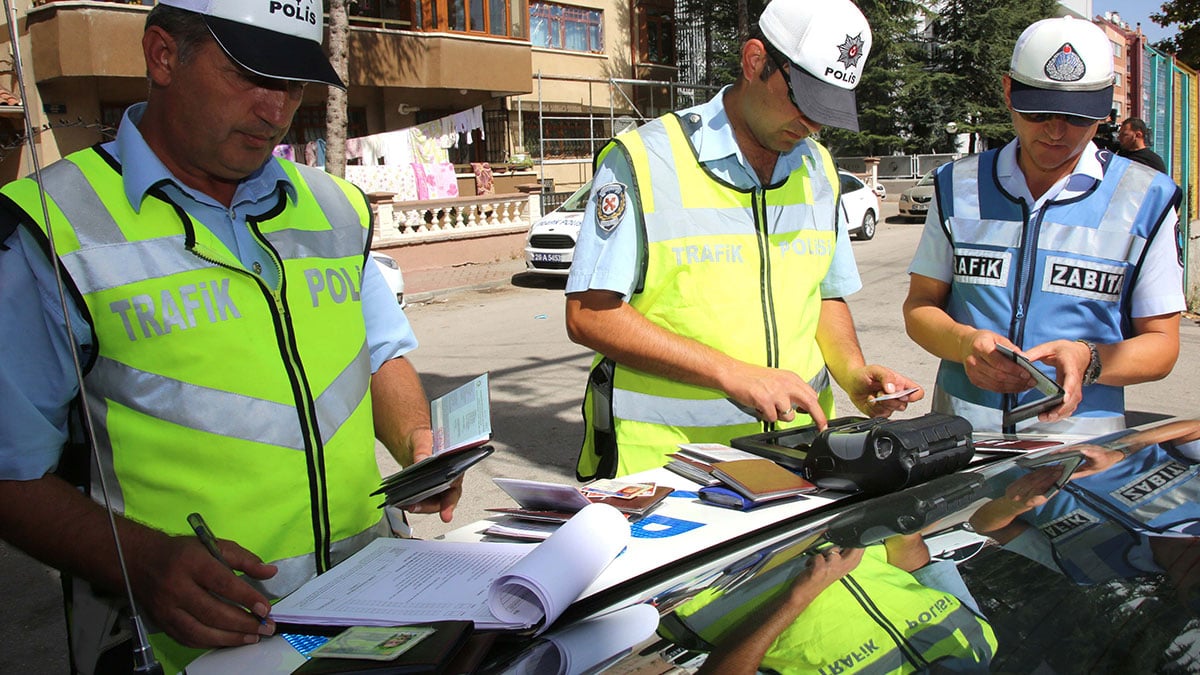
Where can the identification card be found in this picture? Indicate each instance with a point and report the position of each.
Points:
(378, 643)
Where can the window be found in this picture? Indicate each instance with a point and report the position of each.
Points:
(569, 28)
(493, 17)
(1117, 79)
(1116, 46)
(656, 30)
(566, 137)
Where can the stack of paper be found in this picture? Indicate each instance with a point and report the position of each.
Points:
(399, 581)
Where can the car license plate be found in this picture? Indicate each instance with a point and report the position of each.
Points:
(547, 257)
(919, 207)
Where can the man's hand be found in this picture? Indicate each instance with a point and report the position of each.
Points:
(443, 503)
(775, 395)
(1070, 360)
(989, 369)
(870, 381)
(824, 569)
(190, 595)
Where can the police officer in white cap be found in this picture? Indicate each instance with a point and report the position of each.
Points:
(240, 356)
(1051, 247)
(711, 268)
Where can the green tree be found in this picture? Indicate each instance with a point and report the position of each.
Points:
(1186, 43)
(973, 48)
(892, 98)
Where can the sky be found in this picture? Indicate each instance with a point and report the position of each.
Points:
(1133, 11)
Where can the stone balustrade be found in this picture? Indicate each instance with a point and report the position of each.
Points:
(440, 219)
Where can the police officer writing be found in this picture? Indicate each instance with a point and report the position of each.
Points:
(1049, 246)
(710, 270)
(240, 356)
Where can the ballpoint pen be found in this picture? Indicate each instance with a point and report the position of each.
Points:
(205, 535)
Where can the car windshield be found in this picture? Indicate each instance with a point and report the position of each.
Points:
(577, 202)
(927, 179)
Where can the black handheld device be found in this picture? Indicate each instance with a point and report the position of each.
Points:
(1053, 394)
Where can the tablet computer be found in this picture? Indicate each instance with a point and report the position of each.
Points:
(1052, 393)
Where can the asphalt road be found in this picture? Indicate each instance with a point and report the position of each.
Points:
(515, 332)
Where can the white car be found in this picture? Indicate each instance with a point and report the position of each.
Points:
(550, 244)
(390, 269)
(861, 206)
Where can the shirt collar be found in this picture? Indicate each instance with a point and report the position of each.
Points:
(141, 169)
(1087, 172)
(714, 140)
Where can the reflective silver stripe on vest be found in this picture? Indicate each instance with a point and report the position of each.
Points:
(128, 263)
(683, 412)
(712, 222)
(1090, 242)
(344, 394)
(294, 571)
(210, 410)
(294, 244)
(962, 620)
(1001, 233)
(98, 406)
(334, 202)
(966, 189)
(1127, 198)
(64, 182)
(1080, 549)
(983, 418)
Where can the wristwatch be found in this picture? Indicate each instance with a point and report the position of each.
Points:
(1093, 369)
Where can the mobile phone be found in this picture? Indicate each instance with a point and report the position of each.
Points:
(1053, 393)
(1070, 460)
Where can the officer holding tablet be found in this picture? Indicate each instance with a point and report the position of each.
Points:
(1051, 247)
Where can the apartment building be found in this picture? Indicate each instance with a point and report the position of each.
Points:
(410, 61)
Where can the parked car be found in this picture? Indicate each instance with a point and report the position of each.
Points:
(390, 269)
(880, 190)
(914, 202)
(550, 244)
(861, 205)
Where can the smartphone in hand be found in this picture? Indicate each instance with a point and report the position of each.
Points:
(1053, 394)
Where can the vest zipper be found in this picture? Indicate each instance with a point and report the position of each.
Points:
(1024, 289)
(758, 202)
(314, 449)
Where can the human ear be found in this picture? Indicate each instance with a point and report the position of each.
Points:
(161, 53)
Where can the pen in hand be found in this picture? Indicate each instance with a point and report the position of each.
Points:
(206, 537)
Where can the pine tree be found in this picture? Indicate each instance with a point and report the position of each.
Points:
(973, 48)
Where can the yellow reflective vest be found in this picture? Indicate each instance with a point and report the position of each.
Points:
(739, 270)
(877, 619)
(211, 392)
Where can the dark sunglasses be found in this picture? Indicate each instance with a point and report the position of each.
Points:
(784, 68)
(1073, 120)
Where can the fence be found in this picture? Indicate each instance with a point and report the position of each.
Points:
(898, 166)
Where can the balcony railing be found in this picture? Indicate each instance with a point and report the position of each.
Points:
(439, 219)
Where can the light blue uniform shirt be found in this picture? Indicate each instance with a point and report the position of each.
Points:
(608, 260)
(37, 378)
(1158, 287)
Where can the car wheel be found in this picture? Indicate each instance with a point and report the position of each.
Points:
(867, 231)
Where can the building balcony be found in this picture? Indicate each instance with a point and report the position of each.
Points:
(442, 69)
